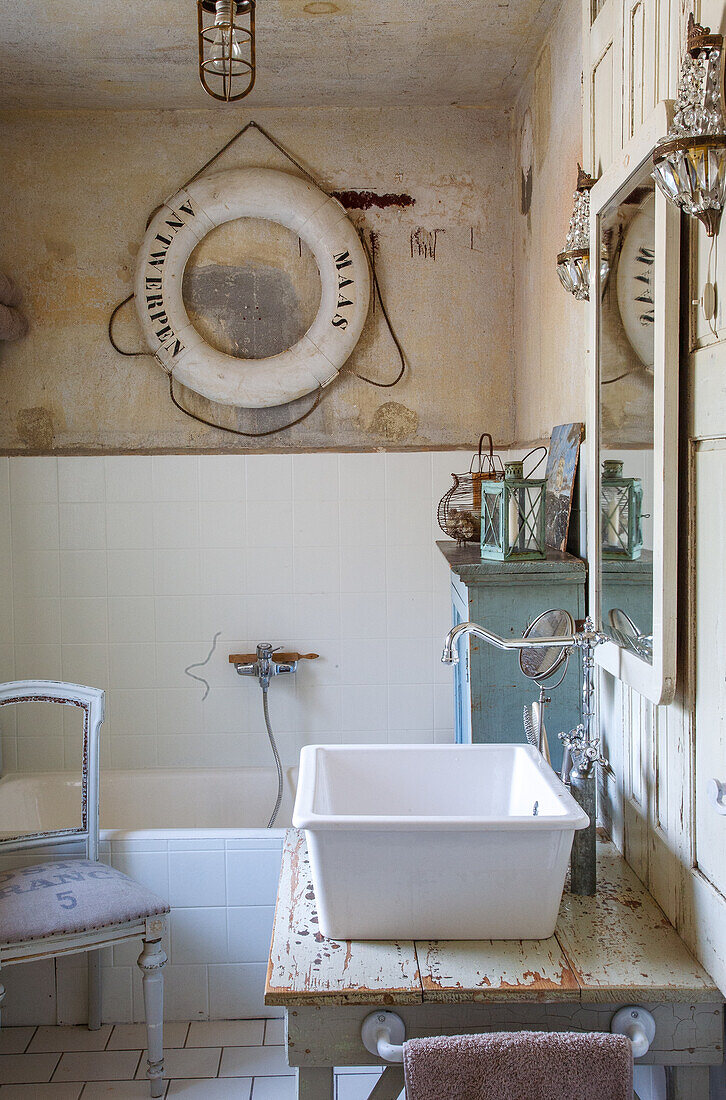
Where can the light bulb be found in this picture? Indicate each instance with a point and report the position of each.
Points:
(225, 49)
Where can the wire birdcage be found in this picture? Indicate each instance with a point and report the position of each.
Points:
(459, 511)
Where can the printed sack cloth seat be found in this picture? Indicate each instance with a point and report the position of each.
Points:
(66, 896)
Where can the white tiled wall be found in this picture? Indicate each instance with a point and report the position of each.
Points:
(222, 894)
(118, 571)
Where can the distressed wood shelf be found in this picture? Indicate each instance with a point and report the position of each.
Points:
(614, 949)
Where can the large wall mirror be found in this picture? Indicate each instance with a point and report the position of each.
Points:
(633, 484)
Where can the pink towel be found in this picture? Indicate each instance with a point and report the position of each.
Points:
(523, 1065)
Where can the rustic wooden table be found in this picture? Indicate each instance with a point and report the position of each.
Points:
(608, 951)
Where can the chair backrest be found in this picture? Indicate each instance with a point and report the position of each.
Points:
(91, 701)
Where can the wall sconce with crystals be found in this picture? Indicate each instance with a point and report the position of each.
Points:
(690, 163)
(513, 516)
(226, 47)
(573, 263)
(621, 509)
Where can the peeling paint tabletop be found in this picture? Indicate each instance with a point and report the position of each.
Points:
(617, 946)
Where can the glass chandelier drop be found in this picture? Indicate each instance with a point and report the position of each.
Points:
(226, 47)
(690, 163)
(573, 263)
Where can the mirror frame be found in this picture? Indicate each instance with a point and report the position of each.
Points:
(656, 681)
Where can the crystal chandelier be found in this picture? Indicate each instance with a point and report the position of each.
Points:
(573, 263)
(690, 163)
(226, 48)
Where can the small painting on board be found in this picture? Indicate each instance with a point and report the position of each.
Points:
(560, 477)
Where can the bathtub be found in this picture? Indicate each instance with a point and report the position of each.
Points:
(197, 837)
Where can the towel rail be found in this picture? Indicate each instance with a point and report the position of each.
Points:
(383, 1033)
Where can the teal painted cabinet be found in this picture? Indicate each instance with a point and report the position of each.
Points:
(490, 689)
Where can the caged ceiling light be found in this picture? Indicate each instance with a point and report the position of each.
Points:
(573, 263)
(226, 47)
(690, 163)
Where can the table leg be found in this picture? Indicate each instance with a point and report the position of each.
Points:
(389, 1086)
(687, 1082)
(315, 1083)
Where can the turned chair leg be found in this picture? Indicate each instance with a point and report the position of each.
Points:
(94, 990)
(150, 962)
(2, 998)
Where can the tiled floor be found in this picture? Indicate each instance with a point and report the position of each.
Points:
(219, 1060)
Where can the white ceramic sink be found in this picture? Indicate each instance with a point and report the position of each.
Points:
(435, 841)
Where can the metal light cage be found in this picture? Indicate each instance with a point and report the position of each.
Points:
(621, 509)
(226, 69)
(459, 510)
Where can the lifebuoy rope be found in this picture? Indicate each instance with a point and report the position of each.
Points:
(319, 393)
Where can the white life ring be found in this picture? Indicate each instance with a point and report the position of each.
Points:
(176, 229)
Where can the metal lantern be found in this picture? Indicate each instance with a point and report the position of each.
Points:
(513, 516)
(621, 509)
(226, 48)
(690, 162)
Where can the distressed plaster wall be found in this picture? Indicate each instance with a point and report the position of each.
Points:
(79, 186)
(550, 336)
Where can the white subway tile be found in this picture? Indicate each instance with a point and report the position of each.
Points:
(33, 572)
(249, 930)
(132, 711)
(362, 476)
(177, 572)
(237, 989)
(178, 618)
(130, 573)
(199, 935)
(81, 479)
(196, 878)
(132, 753)
(363, 569)
(132, 665)
(269, 523)
(130, 526)
(222, 477)
(315, 476)
(85, 664)
(363, 660)
(82, 526)
(128, 477)
(270, 570)
(38, 661)
(408, 477)
(362, 523)
(252, 876)
(410, 614)
(223, 572)
(315, 570)
(222, 524)
(185, 993)
(37, 620)
(35, 527)
(316, 523)
(83, 573)
(269, 477)
(131, 619)
(33, 480)
(175, 477)
(84, 620)
(176, 525)
(409, 569)
(364, 708)
(363, 615)
(410, 707)
(179, 710)
(316, 614)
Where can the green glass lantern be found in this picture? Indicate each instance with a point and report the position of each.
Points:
(621, 506)
(513, 516)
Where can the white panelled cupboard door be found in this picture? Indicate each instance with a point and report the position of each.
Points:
(710, 607)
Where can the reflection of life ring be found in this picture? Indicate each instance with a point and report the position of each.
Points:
(319, 220)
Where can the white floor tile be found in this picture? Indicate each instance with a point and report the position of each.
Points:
(274, 1088)
(51, 1091)
(106, 1065)
(48, 1038)
(116, 1090)
(254, 1062)
(133, 1036)
(226, 1033)
(194, 1062)
(274, 1033)
(229, 1088)
(355, 1086)
(28, 1068)
(14, 1040)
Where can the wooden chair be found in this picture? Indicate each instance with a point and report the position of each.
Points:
(66, 906)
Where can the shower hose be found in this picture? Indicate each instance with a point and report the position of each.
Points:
(275, 753)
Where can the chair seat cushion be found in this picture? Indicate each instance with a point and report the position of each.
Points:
(67, 896)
